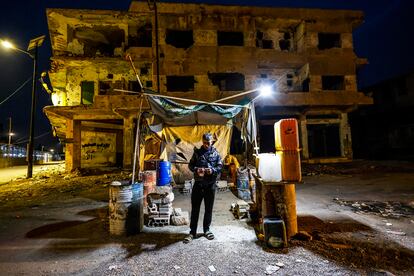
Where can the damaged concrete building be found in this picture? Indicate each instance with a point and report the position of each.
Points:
(205, 52)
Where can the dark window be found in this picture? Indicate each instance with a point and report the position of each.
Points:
(87, 92)
(134, 86)
(230, 38)
(228, 81)
(179, 39)
(329, 40)
(289, 80)
(333, 83)
(284, 44)
(305, 85)
(263, 43)
(110, 76)
(180, 83)
(323, 140)
(105, 87)
(144, 71)
(263, 76)
(148, 84)
(140, 37)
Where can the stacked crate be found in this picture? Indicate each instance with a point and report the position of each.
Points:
(287, 148)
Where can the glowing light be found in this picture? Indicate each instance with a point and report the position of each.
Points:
(265, 90)
(6, 44)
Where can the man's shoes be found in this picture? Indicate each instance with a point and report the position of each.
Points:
(209, 235)
(188, 238)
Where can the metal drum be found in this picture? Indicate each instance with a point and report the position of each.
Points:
(125, 208)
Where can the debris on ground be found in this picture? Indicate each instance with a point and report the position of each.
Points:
(356, 167)
(396, 233)
(389, 209)
(270, 269)
(212, 268)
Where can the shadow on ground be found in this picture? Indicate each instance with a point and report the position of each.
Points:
(72, 237)
(355, 245)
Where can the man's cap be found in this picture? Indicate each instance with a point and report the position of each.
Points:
(207, 137)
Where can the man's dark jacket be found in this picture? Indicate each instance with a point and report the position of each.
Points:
(203, 158)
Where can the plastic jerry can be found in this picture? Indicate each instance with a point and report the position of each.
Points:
(286, 134)
(275, 232)
(290, 165)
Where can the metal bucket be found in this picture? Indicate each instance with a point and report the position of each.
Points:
(125, 208)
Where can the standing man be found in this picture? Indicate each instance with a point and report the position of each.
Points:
(206, 165)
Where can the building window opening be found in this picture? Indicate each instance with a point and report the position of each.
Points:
(143, 71)
(140, 37)
(289, 80)
(284, 43)
(323, 140)
(179, 39)
(230, 38)
(228, 81)
(305, 85)
(87, 92)
(333, 83)
(105, 88)
(329, 40)
(180, 83)
(263, 43)
(134, 86)
(99, 40)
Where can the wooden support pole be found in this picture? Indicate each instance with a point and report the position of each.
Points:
(128, 142)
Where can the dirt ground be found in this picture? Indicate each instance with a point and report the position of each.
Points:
(359, 215)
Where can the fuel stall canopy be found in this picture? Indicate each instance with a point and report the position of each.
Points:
(172, 130)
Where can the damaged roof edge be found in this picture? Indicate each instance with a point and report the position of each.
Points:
(188, 8)
(280, 12)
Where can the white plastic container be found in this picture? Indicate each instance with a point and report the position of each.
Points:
(269, 167)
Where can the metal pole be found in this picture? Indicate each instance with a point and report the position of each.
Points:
(157, 46)
(32, 118)
(10, 131)
(9, 146)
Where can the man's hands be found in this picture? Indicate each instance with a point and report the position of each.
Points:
(202, 171)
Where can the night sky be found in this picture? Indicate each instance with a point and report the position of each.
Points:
(386, 39)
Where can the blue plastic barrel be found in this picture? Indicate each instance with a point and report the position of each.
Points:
(164, 173)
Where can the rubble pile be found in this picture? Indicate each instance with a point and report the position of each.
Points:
(390, 209)
(356, 167)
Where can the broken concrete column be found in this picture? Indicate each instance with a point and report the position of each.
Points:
(73, 145)
(128, 142)
(315, 83)
(345, 134)
(304, 136)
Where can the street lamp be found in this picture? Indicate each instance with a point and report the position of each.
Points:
(34, 44)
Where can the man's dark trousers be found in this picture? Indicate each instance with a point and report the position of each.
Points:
(199, 193)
